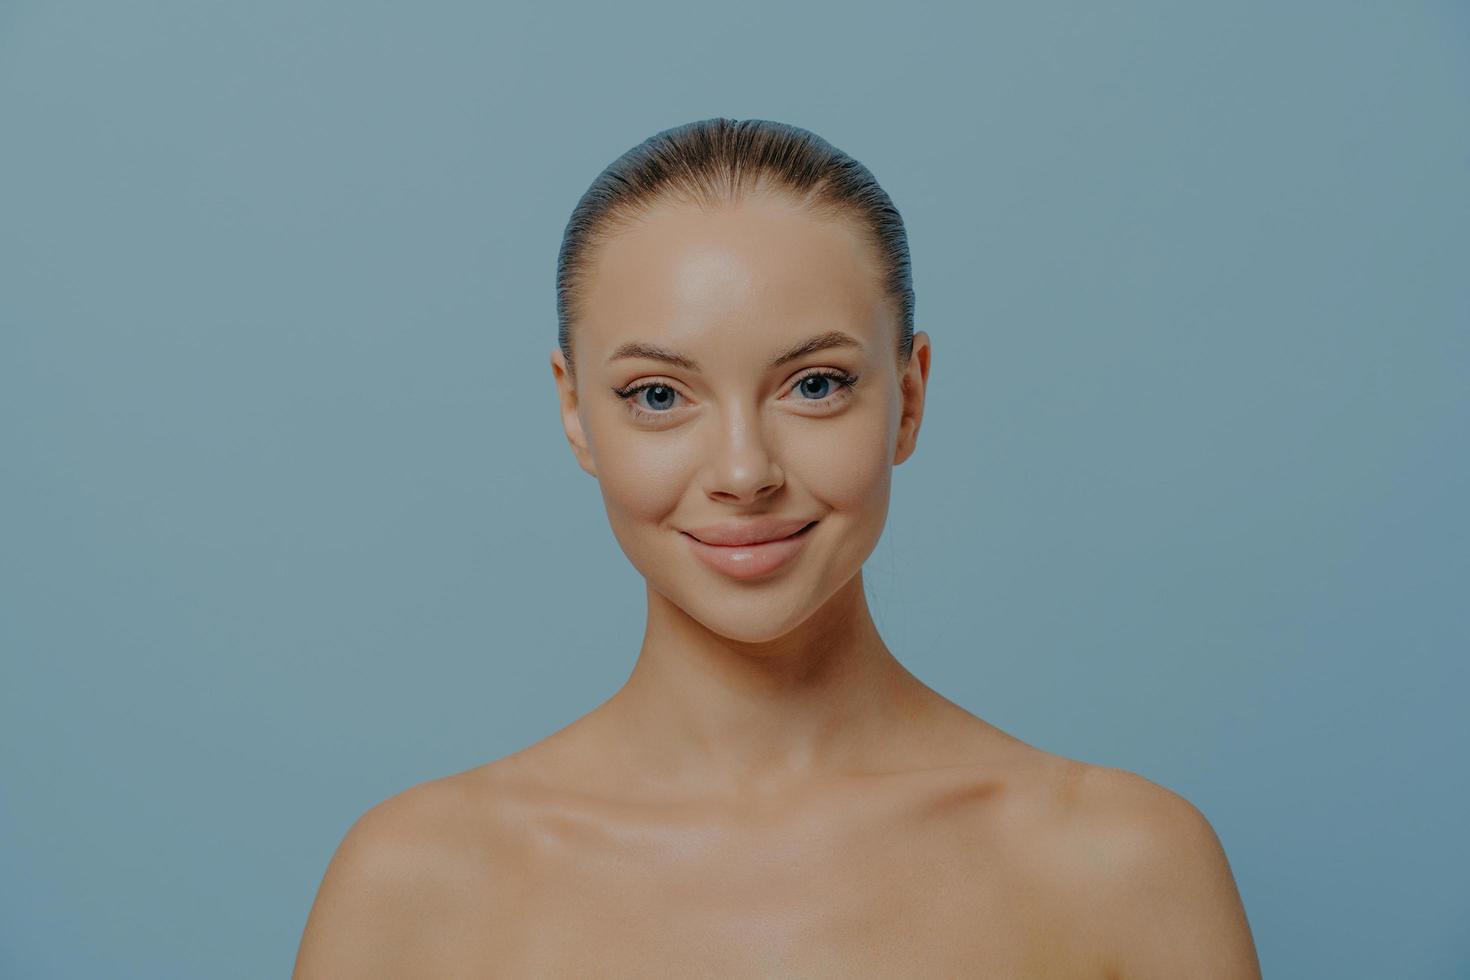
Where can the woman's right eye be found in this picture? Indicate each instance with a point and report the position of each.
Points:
(660, 399)
(659, 396)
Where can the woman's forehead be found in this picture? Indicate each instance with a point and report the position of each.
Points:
(763, 269)
(780, 352)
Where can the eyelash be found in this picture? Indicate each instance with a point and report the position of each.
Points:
(845, 383)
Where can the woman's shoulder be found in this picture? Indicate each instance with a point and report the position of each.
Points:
(1090, 800)
(1144, 867)
(439, 827)
(1096, 818)
(408, 870)
(1108, 801)
(427, 815)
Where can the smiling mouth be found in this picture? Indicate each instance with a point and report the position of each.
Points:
(754, 560)
(754, 544)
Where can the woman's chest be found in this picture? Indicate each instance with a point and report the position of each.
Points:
(877, 933)
(900, 901)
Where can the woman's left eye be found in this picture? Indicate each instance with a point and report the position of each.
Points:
(822, 386)
(825, 381)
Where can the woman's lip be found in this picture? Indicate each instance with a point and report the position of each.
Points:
(745, 561)
(746, 531)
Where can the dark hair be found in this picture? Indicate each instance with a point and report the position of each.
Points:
(714, 161)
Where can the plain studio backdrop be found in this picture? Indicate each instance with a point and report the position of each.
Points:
(290, 523)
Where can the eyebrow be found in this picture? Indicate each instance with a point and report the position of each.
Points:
(822, 341)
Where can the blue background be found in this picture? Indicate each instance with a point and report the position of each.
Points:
(290, 524)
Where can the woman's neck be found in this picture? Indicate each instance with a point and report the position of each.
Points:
(706, 715)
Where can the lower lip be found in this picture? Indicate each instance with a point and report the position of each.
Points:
(750, 560)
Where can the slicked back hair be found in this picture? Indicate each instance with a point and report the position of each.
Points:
(714, 162)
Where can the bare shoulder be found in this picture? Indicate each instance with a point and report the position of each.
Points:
(407, 872)
(1159, 890)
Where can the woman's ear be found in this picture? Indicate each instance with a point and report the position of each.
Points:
(911, 388)
(571, 417)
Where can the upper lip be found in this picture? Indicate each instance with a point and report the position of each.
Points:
(753, 531)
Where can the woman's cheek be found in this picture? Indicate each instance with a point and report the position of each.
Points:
(845, 463)
(642, 486)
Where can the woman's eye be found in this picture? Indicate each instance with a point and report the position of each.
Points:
(821, 387)
(659, 397)
(816, 385)
(650, 399)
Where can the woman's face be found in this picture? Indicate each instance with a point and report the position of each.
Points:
(722, 434)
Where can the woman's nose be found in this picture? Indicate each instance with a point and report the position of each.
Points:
(742, 464)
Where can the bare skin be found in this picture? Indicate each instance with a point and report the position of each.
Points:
(771, 793)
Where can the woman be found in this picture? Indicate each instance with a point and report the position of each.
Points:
(771, 793)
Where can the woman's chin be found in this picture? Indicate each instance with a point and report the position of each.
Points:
(745, 615)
